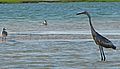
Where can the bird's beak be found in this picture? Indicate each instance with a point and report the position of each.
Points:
(79, 13)
(84, 12)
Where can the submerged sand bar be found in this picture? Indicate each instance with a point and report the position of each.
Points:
(57, 35)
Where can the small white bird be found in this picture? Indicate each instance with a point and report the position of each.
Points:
(45, 22)
(4, 34)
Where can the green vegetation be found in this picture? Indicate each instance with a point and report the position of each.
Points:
(10, 1)
(36, 1)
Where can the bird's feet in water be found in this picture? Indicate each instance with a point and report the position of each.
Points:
(103, 59)
(3, 38)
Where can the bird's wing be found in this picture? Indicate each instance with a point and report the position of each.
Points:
(104, 41)
(5, 33)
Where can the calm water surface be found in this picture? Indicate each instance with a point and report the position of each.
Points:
(59, 47)
(60, 16)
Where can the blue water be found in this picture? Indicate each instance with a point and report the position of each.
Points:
(60, 16)
(57, 11)
(65, 43)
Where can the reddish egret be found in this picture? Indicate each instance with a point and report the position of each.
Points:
(99, 39)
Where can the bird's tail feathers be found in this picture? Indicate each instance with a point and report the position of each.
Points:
(114, 47)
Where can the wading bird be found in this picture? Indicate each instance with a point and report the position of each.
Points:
(4, 34)
(99, 39)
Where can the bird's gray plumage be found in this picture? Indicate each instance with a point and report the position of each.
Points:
(102, 41)
(99, 39)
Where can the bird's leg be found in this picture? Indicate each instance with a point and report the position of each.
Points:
(5, 38)
(101, 53)
(2, 38)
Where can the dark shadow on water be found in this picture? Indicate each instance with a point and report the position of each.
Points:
(11, 42)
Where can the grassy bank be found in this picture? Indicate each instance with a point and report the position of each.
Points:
(90, 0)
(36, 1)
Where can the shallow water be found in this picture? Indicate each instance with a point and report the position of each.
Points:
(65, 43)
(56, 54)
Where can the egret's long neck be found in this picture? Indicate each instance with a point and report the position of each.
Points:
(92, 29)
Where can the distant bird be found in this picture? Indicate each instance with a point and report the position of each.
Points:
(4, 34)
(99, 39)
(45, 22)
